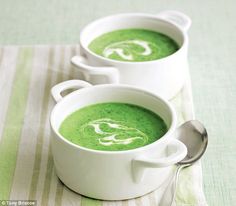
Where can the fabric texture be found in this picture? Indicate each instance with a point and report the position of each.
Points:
(26, 165)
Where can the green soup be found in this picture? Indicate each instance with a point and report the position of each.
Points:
(135, 45)
(113, 127)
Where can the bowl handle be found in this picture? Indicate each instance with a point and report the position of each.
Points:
(177, 18)
(92, 73)
(177, 152)
(63, 86)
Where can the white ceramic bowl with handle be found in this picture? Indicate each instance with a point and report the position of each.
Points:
(164, 76)
(113, 175)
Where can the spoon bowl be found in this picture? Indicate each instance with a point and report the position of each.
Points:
(194, 135)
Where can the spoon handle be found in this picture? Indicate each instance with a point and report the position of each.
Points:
(170, 191)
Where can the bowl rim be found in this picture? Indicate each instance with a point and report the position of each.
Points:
(127, 15)
(163, 139)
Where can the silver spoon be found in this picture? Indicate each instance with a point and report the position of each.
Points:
(194, 135)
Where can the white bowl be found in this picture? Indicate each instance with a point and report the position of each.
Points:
(113, 175)
(164, 76)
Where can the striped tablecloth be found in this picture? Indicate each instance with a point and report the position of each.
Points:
(26, 165)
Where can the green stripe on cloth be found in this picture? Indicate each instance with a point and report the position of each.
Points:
(185, 193)
(14, 121)
(48, 177)
(60, 78)
(90, 202)
(59, 193)
(43, 119)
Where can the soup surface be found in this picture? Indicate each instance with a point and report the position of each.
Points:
(113, 127)
(135, 45)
